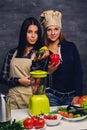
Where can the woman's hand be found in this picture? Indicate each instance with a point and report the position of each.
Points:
(75, 100)
(52, 67)
(40, 57)
(25, 81)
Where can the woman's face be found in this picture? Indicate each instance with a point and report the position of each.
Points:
(32, 34)
(53, 33)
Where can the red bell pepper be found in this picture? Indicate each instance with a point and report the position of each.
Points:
(54, 58)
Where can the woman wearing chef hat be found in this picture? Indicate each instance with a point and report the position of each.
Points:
(64, 81)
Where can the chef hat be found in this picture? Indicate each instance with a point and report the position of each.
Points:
(50, 17)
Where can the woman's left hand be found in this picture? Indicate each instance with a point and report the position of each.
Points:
(75, 100)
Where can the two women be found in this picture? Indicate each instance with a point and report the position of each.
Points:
(64, 80)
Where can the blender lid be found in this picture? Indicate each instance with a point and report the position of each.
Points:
(38, 74)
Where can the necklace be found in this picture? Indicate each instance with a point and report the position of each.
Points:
(54, 49)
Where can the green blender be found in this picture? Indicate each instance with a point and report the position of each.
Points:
(39, 102)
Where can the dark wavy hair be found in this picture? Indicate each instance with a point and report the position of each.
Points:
(22, 36)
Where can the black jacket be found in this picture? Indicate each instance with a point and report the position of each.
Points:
(68, 76)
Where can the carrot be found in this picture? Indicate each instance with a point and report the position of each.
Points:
(37, 83)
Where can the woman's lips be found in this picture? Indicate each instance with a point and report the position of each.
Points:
(32, 40)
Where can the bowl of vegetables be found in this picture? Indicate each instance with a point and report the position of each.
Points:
(72, 112)
(52, 119)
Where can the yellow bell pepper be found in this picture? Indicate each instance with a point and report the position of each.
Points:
(44, 48)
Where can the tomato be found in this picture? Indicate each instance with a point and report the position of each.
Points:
(54, 58)
(40, 123)
(83, 101)
(54, 117)
(70, 115)
(28, 123)
(61, 113)
(50, 117)
(66, 114)
(35, 120)
(45, 116)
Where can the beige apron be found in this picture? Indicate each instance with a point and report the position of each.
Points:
(19, 96)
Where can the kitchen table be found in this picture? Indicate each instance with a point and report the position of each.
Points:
(20, 114)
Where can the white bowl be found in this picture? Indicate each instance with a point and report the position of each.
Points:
(52, 122)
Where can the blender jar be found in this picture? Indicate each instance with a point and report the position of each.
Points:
(39, 102)
(38, 82)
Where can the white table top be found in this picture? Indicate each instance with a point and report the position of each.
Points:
(20, 114)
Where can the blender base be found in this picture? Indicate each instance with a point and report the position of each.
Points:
(39, 104)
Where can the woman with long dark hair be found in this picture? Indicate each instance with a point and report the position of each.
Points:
(15, 72)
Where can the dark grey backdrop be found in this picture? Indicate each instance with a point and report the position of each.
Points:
(13, 12)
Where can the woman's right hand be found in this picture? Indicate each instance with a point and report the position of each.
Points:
(52, 67)
(25, 81)
(40, 57)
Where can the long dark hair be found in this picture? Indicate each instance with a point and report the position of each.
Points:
(22, 36)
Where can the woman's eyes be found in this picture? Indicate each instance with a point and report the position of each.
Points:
(56, 29)
(29, 31)
(36, 32)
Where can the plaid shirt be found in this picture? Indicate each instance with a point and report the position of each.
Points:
(4, 76)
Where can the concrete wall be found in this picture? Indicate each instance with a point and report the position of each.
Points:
(13, 12)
